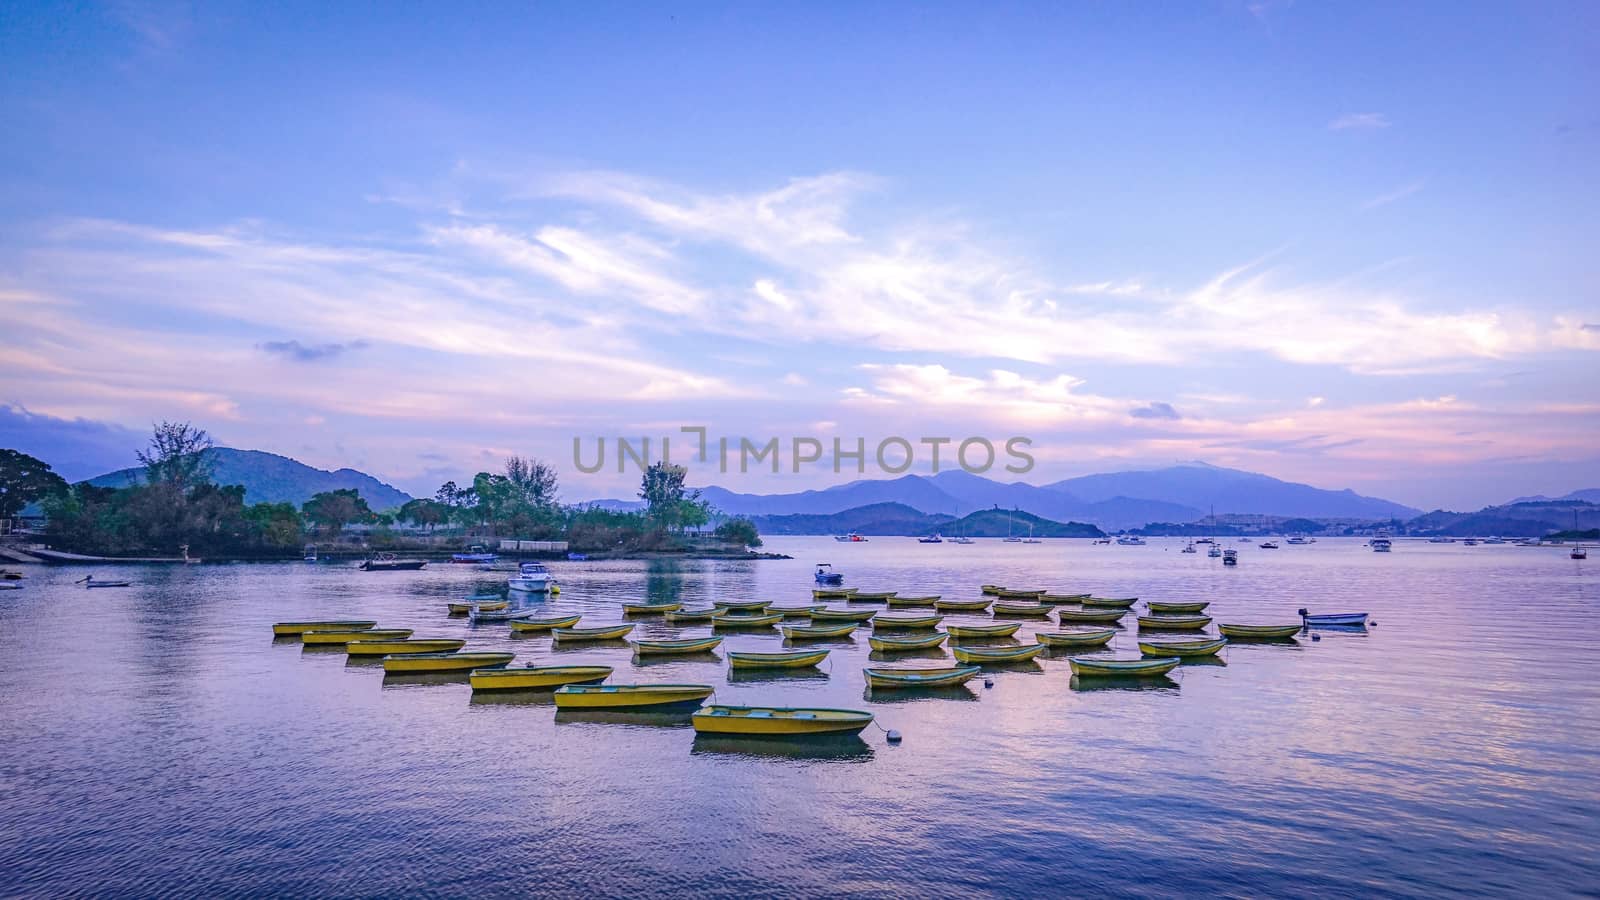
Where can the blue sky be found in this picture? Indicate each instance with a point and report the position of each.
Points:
(1345, 244)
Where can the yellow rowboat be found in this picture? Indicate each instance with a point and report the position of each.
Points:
(1167, 609)
(462, 607)
(1144, 668)
(668, 648)
(601, 633)
(282, 628)
(1258, 632)
(831, 593)
(649, 609)
(761, 621)
(1063, 598)
(794, 612)
(797, 659)
(817, 632)
(1012, 594)
(842, 615)
(1089, 615)
(692, 615)
(1174, 623)
(413, 645)
(1002, 608)
(913, 601)
(871, 596)
(889, 623)
(983, 631)
(549, 623)
(619, 696)
(536, 677)
(417, 663)
(962, 605)
(944, 676)
(996, 654)
(1110, 602)
(345, 637)
(893, 645)
(774, 721)
(1207, 647)
(1098, 637)
(990, 589)
(746, 606)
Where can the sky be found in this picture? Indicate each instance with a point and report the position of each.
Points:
(1346, 244)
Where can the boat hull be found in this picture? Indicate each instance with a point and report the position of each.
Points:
(892, 645)
(1123, 668)
(649, 609)
(293, 628)
(1177, 609)
(1258, 632)
(744, 606)
(676, 648)
(1090, 615)
(345, 637)
(536, 677)
(539, 625)
(1097, 638)
(983, 631)
(945, 676)
(1173, 623)
(796, 660)
(461, 608)
(1182, 649)
(761, 621)
(1110, 602)
(997, 654)
(1345, 619)
(815, 632)
(962, 605)
(843, 615)
(415, 645)
(918, 623)
(629, 696)
(422, 663)
(691, 615)
(909, 602)
(873, 596)
(1035, 610)
(755, 721)
(602, 633)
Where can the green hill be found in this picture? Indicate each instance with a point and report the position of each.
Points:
(270, 478)
(889, 519)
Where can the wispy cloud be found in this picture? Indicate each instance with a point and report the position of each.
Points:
(1155, 410)
(309, 353)
(1397, 194)
(1365, 121)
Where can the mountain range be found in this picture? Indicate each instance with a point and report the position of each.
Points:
(270, 478)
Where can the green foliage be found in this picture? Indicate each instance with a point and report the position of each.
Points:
(177, 456)
(739, 530)
(24, 480)
(669, 505)
(335, 509)
(160, 518)
(425, 513)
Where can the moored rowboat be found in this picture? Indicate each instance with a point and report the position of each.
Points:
(1173, 623)
(816, 632)
(831, 593)
(1334, 618)
(897, 644)
(668, 648)
(842, 615)
(990, 589)
(345, 637)
(944, 676)
(1002, 608)
(1180, 608)
(649, 609)
(1021, 653)
(1145, 668)
(983, 631)
(1013, 594)
(1110, 602)
(962, 605)
(902, 602)
(1206, 647)
(692, 615)
(760, 621)
(536, 677)
(871, 596)
(1097, 637)
(600, 633)
(794, 659)
(282, 628)
(412, 645)
(462, 607)
(548, 623)
(774, 721)
(889, 623)
(794, 612)
(1063, 598)
(744, 606)
(1089, 615)
(618, 696)
(1258, 632)
(418, 663)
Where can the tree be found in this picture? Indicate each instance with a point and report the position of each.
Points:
(278, 524)
(425, 513)
(662, 486)
(739, 530)
(335, 509)
(24, 479)
(533, 480)
(177, 456)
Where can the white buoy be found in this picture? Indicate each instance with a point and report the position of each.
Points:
(894, 736)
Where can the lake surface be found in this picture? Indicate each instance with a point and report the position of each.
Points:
(157, 740)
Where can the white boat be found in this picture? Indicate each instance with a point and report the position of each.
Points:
(1189, 548)
(1380, 545)
(1269, 545)
(531, 577)
(851, 538)
(931, 539)
(1334, 619)
(1441, 540)
(1470, 542)
(1579, 553)
(1230, 557)
(1494, 540)
(311, 553)
(1131, 540)
(1297, 539)
(961, 539)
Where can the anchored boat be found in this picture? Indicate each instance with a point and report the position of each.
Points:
(388, 562)
(944, 676)
(1140, 668)
(1258, 632)
(794, 612)
(649, 609)
(410, 645)
(546, 623)
(983, 631)
(889, 623)
(671, 648)
(1206, 647)
(490, 604)
(1002, 608)
(773, 721)
(1021, 653)
(1098, 637)
(1174, 623)
(620, 696)
(600, 633)
(842, 615)
(872, 596)
(1110, 602)
(682, 616)
(826, 575)
(929, 600)
(743, 606)
(345, 637)
(419, 663)
(794, 659)
(898, 644)
(1333, 618)
(1063, 598)
(534, 677)
(817, 632)
(531, 578)
(293, 628)
(746, 621)
(1179, 608)
(962, 605)
(1086, 614)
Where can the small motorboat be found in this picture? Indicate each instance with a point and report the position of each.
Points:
(686, 616)
(1345, 619)
(1036, 610)
(1122, 668)
(293, 628)
(388, 562)
(525, 624)
(962, 605)
(531, 578)
(1110, 602)
(600, 633)
(1181, 607)
(675, 648)
(779, 721)
(1578, 553)
(533, 677)
(931, 539)
(943, 676)
(908, 602)
(407, 645)
(577, 557)
(1131, 540)
(10, 586)
(1097, 637)
(911, 623)
(817, 632)
(1268, 545)
(741, 606)
(420, 663)
(1173, 623)
(1297, 540)
(1213, 552)
(90, 581)
(842, 615)
(649, 609)
(345, 637)
(902, 644)
(1230, 557)
(871, 596)
(1093, 616)
(1381, 545)
(1190, 548)
(1258, 632)
(476, 554)
(735, 620)
(826, 575)
(983, 631)
(624, 696)
(1206, 647)
(793, 659)
(1021, 653)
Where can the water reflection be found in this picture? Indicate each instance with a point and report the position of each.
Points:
(758, 676)
(418, 679)
(912, 695)
(848, 748)
(667, 659)
(906, 655)
(1164, 683)
(523, 697)
(681, 717)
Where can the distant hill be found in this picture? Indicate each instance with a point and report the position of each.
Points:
(1202, 487)
(886, 519)
(1521, 519)
(270, 478)
(1588, 495)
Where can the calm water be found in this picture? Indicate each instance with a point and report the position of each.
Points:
(157, 740)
